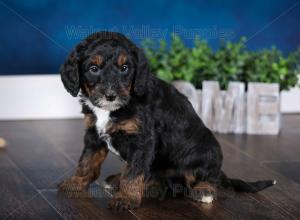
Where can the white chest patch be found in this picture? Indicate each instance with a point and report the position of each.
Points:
(102, 120)
(102, 125)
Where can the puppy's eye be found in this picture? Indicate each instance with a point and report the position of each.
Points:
(124, 69)
(94, 69)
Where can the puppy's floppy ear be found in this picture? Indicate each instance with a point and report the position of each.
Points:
(142, 73)
(69, 73)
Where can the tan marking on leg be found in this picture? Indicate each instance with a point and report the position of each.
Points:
(130, 193)
(152, 188)
(88, 170)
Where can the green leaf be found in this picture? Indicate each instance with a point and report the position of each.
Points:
(231, 62)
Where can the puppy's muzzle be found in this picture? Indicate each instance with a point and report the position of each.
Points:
(110, 96)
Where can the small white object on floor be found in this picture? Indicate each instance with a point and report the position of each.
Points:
(207, 199)
(106, 186)
(3, 143)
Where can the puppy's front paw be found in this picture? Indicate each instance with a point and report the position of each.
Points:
(121, 202)
(74, 183)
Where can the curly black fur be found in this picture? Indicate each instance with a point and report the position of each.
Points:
(172, 141)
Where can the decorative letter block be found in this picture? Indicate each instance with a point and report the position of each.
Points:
(263, 113)
(210, 90)
(236, 90)
(199, 97)
(224, 111)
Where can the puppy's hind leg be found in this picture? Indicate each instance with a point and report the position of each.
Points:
(130, 193)
(200, 191)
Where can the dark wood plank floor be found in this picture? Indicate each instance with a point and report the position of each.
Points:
(42, 153)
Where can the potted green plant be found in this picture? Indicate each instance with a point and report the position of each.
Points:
(232, 62)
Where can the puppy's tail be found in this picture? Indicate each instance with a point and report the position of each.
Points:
(243, 186)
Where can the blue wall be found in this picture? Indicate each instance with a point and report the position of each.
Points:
(37, 35)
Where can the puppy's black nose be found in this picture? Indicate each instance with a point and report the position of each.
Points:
(110, 97)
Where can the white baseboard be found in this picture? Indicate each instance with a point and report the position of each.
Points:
(290, 101)
(36, 97)
(43, 97)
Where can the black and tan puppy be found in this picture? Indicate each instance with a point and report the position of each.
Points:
(144, 120)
